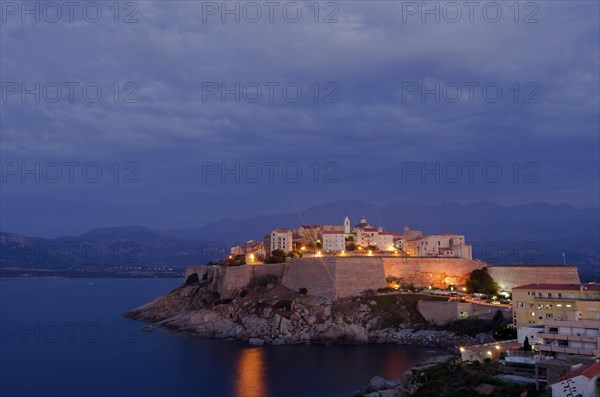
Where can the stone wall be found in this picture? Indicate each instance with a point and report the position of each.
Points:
(338, 277)
(354, 275)
(234, 278)
(438, 272)
(511, 276)
(317, 275)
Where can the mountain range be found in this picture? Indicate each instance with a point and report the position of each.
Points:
(536, 233)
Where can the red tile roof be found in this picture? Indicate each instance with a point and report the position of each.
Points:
(282, 231)
(557, 287)
(589, 372)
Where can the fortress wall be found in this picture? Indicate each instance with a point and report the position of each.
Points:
(438, 272)
(267, 268)
(234, 278)
(199, 270)
(337, 277)
(510, 276)
(356, 274)
(317, 275)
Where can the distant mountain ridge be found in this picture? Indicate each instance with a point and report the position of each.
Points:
(530, 233)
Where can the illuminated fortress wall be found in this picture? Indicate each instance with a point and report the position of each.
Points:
(511, 276)
(338, 277)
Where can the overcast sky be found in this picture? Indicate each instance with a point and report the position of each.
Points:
(201, 116)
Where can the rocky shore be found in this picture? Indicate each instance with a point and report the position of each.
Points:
(408, 384)
(268, 313)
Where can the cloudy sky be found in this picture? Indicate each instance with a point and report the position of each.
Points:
(171, 114)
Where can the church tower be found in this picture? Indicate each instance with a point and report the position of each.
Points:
(346, 226)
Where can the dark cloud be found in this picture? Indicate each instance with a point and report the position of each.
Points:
(371, 130)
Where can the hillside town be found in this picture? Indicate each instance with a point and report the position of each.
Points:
(345, 239)
(554, 317)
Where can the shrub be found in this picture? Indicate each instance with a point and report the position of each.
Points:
(283, 304)
(303, 291)
(481, 281)
(277, 256)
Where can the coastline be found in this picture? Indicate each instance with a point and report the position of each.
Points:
(272, 314)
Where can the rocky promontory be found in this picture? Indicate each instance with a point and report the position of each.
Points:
(266, 312)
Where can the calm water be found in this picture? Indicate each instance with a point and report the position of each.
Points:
(67, 338)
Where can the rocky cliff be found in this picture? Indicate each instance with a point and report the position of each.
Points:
(268, 312)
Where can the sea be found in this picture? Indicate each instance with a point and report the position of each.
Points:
(67, 337)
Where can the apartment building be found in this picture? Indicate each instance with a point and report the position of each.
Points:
(534, 304)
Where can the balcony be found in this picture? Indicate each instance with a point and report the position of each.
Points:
(577, 338)
(565, 349)
(556, 298)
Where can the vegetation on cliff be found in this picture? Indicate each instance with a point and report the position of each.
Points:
(499, 326)
(468, 379)
(481, 281)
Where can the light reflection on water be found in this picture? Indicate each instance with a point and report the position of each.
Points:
(251, 378)
(158, 364)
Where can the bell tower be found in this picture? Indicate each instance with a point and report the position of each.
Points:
(346, 225)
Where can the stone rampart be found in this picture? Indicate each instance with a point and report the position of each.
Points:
(510, 276)
(337, 277)
(437, 272)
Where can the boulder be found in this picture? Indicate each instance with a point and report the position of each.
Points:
(392, 383)
(256, 341)
(376, 383)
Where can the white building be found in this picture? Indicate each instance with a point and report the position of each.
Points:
(278, 239)
(334, 241)
(367, 236)
(447, 245)
(573, 336)
(580, 382)
(385, 241)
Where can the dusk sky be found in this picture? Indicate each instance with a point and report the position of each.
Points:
(497, 103)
